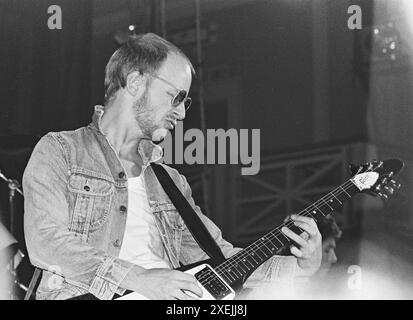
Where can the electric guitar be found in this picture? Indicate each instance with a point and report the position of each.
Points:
(221, 281)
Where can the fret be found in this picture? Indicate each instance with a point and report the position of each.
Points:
(296, 229)
(337, 198)
(273, 247)
(322, 212)
(257, 250)
(325, 208)
(342, 196)
(326, 202)
(311, 214)
(314, 212)
(238, 264)
(281, 243)
(263, 242)
(243, 263)
(223, 275)
(286, 238)
(251, 262)
(334, 202)
(228, 271)
(252, 256)
(233, 272)
(257, 254)
(246, 260)
(234, 267)
(345, 192)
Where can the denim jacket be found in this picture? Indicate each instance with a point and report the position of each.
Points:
(75, 214)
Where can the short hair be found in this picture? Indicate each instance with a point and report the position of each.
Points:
(144, 53)
(329, 228)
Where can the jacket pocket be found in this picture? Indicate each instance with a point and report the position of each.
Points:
(170, 215)
(92, 197)
(171, 228)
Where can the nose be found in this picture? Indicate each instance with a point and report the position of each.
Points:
(180, 111)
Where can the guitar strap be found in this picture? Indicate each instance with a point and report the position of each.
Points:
(188, 214)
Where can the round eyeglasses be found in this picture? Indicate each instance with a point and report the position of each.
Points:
(179, 97)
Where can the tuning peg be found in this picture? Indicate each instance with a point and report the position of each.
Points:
(395, 184)
(384, 180)
(383, 196)
(378, 187)
(391, 174)
(376, 164)
(389, 189)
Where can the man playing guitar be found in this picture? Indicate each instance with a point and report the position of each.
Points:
(97, 220)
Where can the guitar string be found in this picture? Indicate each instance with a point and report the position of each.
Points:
(232, 262)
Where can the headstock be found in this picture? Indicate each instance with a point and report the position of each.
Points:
(376, 177)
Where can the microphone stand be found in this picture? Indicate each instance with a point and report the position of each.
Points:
(14, 186)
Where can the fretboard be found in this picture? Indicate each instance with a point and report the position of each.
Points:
(242, 264)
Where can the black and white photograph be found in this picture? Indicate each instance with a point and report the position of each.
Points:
(206, 150)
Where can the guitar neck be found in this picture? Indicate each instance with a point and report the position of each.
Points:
(237, 268)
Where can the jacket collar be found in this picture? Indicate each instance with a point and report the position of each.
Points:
(148, 151)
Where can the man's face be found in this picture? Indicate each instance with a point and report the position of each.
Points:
(153, 110)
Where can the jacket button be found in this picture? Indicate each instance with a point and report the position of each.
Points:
(116, 243)
(86, 188)
(122, 209)
(121, 175)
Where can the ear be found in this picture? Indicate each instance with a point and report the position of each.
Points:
(135, 83)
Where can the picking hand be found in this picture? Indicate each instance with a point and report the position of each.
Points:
(166, 284)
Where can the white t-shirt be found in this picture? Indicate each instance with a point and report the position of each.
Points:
(142, 244)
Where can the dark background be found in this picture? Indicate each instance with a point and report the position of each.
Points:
(322, 95)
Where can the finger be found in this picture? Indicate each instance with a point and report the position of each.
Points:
(192, 287)
(308, 220)
(293, 236)
(312, 230)
(296, 252)
(305, 235)
(180, 295)
(179, 275)
(287, 218)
